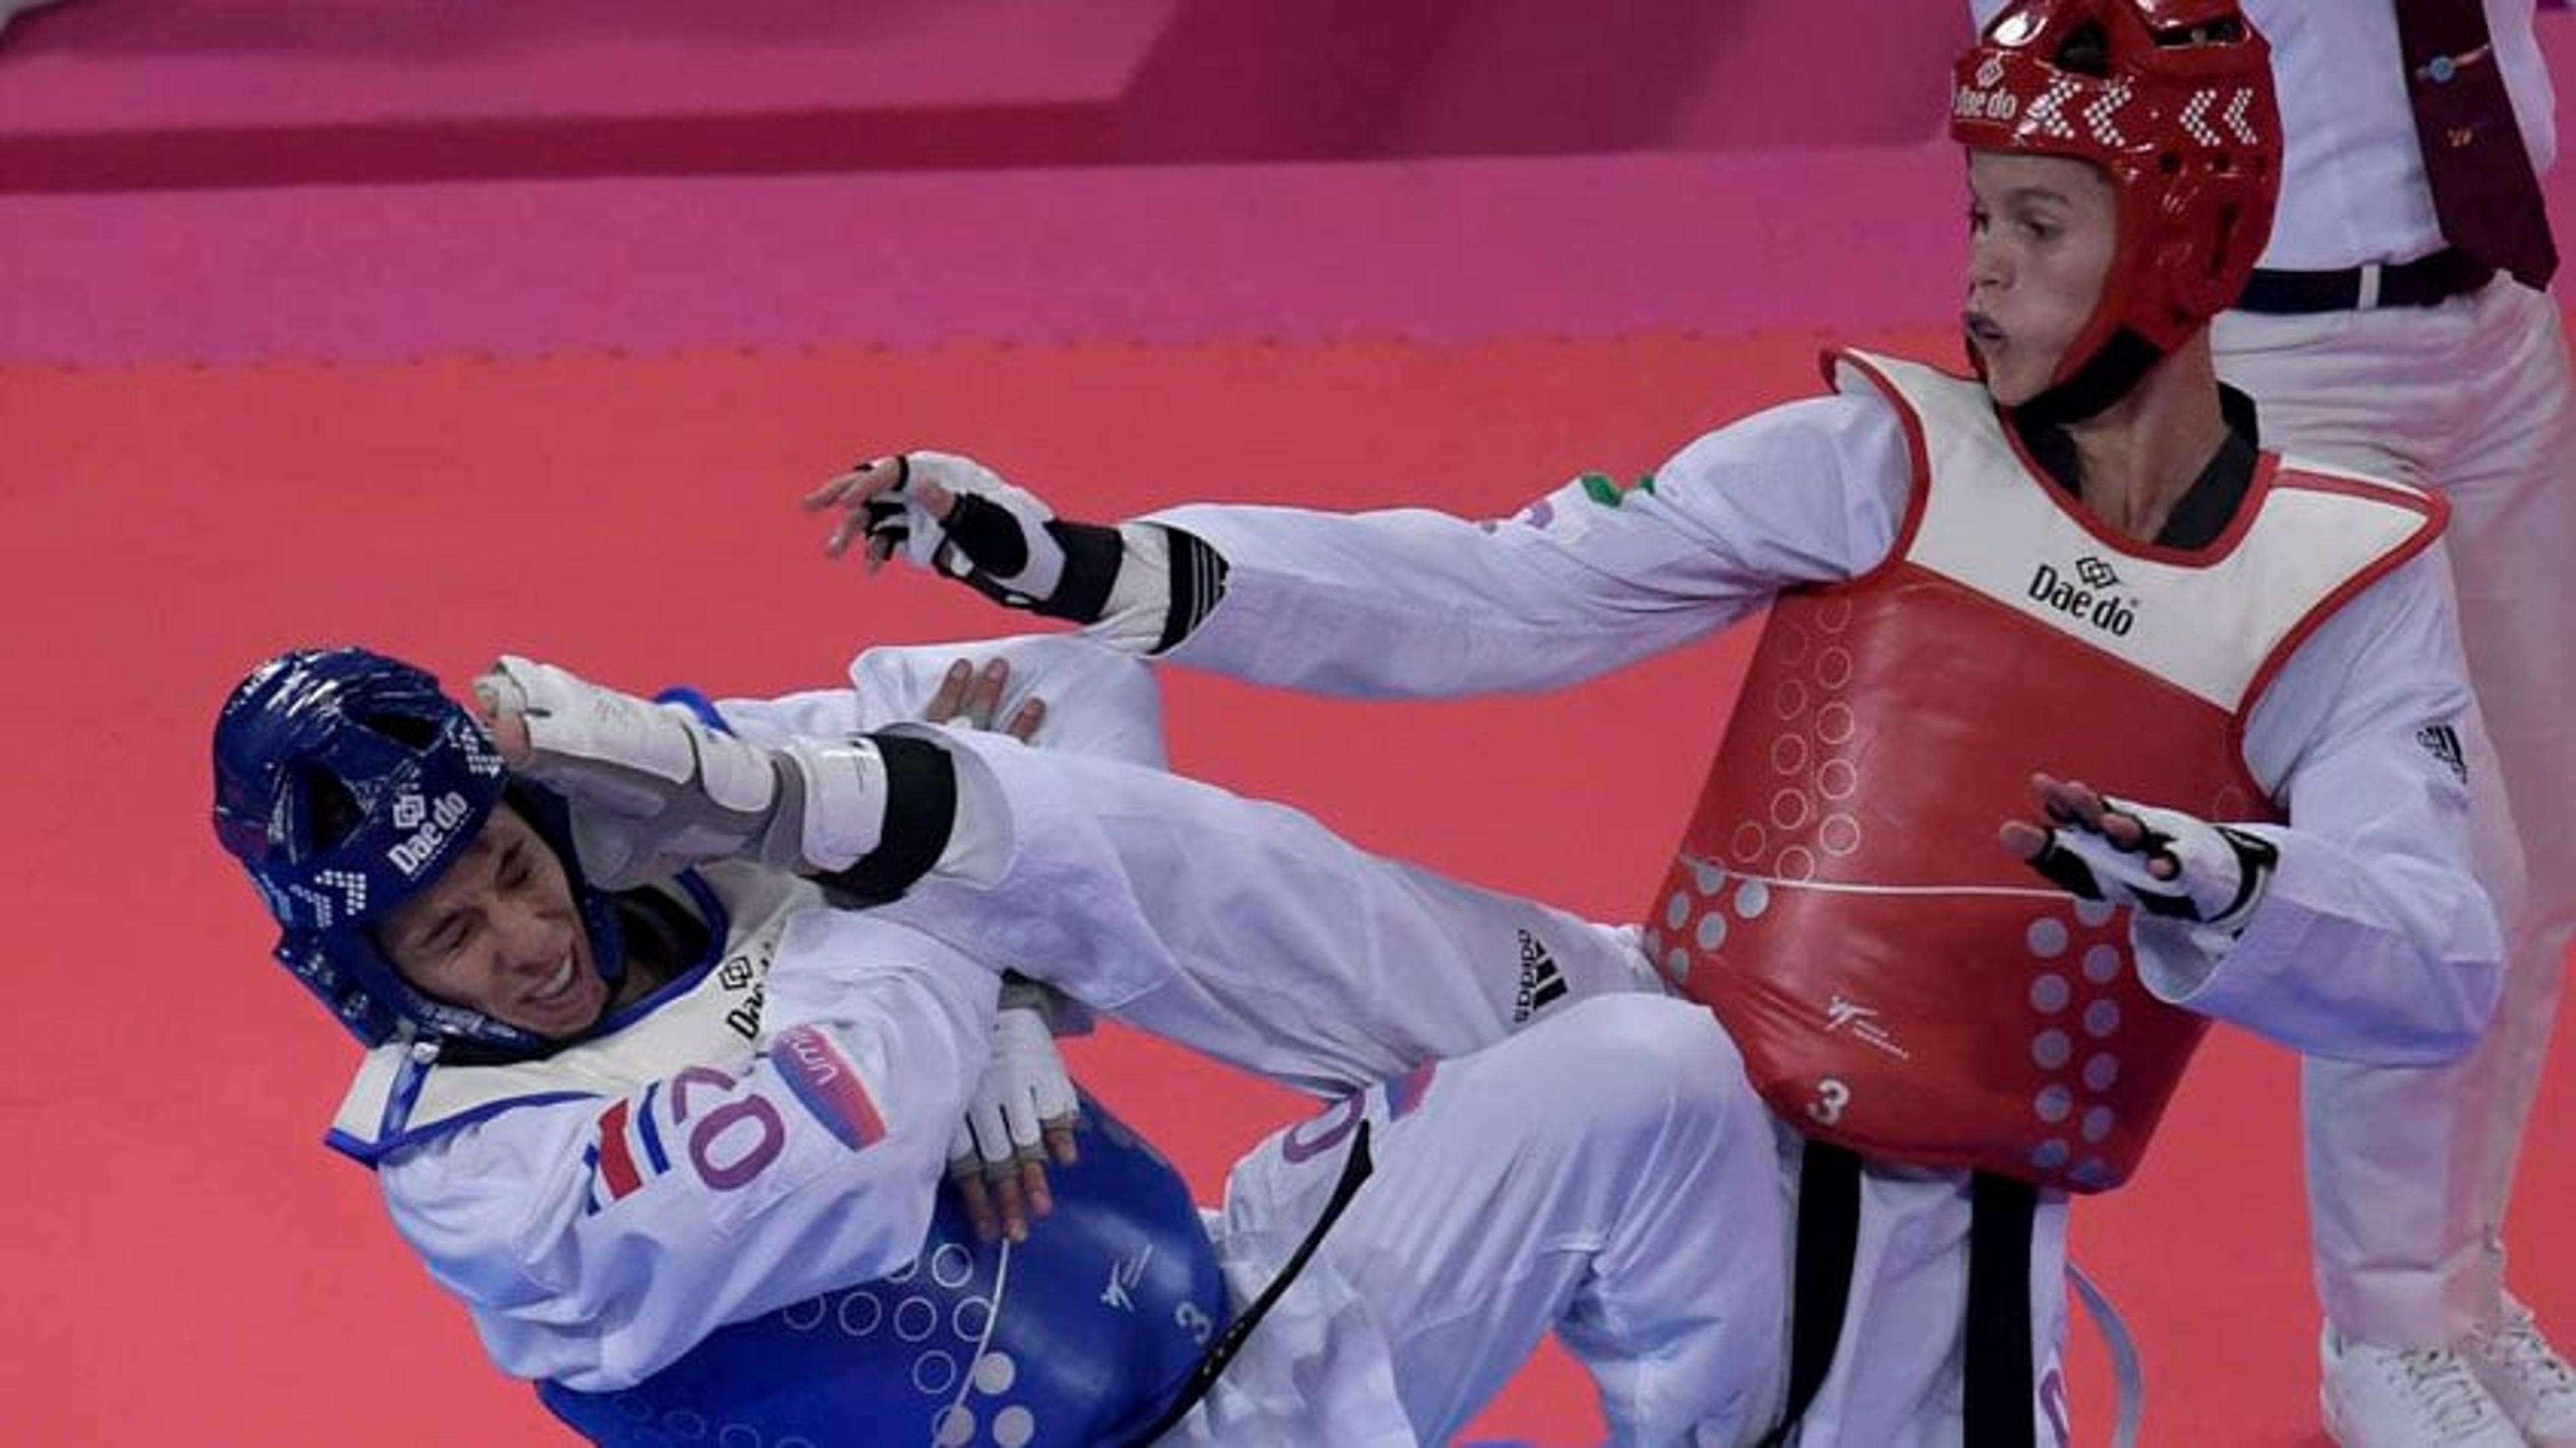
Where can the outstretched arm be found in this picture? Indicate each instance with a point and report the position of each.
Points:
(1411, 602)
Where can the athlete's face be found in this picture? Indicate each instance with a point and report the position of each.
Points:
(2042, 230)
(498, 932)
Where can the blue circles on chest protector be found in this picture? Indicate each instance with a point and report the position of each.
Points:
(1080, 1335)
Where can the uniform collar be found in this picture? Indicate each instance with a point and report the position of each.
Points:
(2205, 511)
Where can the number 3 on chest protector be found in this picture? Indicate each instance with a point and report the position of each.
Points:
(1831, 1097)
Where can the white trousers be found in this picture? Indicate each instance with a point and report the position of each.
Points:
(1584, 1177)
(2409, 1171)
(1597, 1166)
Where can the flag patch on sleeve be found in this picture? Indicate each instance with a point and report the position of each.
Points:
(828, 1085)
(628, 1152)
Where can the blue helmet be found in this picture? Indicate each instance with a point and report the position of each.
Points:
(345, 783)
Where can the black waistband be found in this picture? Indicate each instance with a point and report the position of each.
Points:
(2424, 282)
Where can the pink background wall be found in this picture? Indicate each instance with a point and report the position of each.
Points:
(656, 173)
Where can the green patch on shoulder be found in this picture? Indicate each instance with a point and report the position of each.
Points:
(1603, 489)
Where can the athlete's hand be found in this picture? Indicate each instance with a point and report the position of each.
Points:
(959, 518)
(1023, 1112)
(972, 697)
(2161, 861)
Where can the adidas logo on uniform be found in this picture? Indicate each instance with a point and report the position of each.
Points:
(2443, 743)
(1541, 982)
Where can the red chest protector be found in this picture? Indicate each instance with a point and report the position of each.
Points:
(1897, 981)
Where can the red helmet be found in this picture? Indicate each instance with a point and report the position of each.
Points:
(2173, 99)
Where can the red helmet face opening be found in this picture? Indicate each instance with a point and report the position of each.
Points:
(2173, 100)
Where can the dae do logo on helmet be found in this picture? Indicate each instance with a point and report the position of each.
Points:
(435, 824)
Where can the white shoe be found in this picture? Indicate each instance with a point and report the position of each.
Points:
(2378, 1397)
(2526, 1376)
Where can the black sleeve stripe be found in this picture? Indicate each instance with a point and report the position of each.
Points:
(1198, 586)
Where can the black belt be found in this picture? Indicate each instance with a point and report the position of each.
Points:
(1996, 1405)
(1999, 1392)
(2424, 282)
(1820, 1291)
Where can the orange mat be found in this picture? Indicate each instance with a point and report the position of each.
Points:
(188, 1265)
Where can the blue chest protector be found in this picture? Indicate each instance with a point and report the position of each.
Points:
(1079, 1336)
